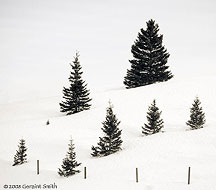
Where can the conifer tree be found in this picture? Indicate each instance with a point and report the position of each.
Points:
(48, 122)
(69, 163)
(76, 97)
(150, 59)
(111, 142)
(155, 124)
(197, 116)
(20, 156)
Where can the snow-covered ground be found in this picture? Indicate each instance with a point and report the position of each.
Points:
(162, 159)
(37, 41)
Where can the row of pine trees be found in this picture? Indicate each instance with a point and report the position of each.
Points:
(148, 66)
(111, 141)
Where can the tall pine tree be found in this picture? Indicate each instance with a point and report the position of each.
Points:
(111, 142)
(155, 124)
(197, 116)
(20, 156)
(69, 163)
(150, 59)
(76, 96)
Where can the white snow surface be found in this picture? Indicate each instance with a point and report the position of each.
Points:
(162, 159)
(38, 39)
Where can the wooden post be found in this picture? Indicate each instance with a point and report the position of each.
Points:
(84, 172)
(189, 172)
(37, 167)
(137, 175)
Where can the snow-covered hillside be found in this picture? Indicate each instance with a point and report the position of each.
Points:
(38, 39)
(162, 159)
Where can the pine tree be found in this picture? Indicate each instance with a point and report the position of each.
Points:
(69, 163)
(197, 116)
(20, 156)
(76, 96)
(48, 122)
(155, 124)
(111, 142)
(150, 59)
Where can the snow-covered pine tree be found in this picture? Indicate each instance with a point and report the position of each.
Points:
(20, 156)
(111, 142)
(155, 124)
(76, 96)
(197, 116)
(150, 59)
(48, 122)
(69, 163)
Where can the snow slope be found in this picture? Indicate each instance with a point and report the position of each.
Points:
(162, 159)
(39, 39)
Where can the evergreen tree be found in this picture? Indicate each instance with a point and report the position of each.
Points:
(48, 122)
(155, 124)
(76, 96)
(111, 142)
(197, 116)
(20, 156)
(150, 59)
(69, 163)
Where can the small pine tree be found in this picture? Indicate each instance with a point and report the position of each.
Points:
(150, 59)
(155, 124)
(76, 96)
(20, 156)
(197, 116)
(111, 142)
(48, 122)
(69, 163)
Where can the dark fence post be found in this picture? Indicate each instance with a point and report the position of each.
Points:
(84, 172)
(137, 175)
(189, 173)
(37, 167)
